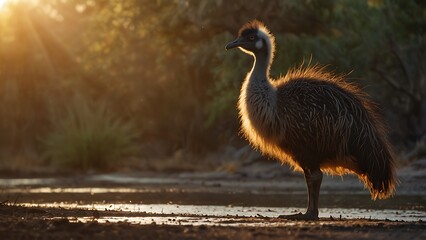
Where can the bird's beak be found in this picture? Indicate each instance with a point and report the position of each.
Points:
(236, 43)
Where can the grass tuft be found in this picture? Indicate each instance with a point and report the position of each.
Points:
(89, 137)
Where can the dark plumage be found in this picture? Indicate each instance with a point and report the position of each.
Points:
(313, 120)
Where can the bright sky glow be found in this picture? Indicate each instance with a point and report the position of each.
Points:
(4, 3)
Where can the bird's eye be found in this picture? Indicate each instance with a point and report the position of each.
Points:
(251, 38)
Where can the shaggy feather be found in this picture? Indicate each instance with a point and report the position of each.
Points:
(311, 118)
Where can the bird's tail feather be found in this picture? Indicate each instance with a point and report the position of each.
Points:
(376, 162)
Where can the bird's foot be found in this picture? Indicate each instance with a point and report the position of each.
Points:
(300, 216)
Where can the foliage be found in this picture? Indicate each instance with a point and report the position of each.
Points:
(161, 65)
(89, 137)
(375, 41)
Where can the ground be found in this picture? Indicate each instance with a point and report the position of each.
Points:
(55, 223)
(214, 205)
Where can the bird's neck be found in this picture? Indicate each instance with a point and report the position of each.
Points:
(257, 102)
(257, 86)
(260, 71)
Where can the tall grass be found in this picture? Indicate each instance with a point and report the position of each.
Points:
(89, 137)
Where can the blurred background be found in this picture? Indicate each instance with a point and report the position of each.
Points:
(146, 85)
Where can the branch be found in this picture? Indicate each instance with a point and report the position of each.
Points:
(397, 52)
(397, 87)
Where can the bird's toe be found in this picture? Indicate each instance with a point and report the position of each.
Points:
(300, 216)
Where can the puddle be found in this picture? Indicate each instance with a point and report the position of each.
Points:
(202, 197)
(213, 215)
(89, 190)
(193, 221)
(190, 200)
(27, 182)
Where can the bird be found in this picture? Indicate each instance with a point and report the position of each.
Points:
(313, 120)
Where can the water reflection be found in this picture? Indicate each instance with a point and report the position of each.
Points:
(216, 214)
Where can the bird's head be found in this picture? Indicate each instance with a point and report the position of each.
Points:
(254, 38)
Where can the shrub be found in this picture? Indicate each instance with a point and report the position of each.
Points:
(89, 137)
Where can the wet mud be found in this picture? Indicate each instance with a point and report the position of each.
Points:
(17, 222)
(194, 207)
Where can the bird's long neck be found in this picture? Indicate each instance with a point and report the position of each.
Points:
(257, 101)
(258, 78)
(261, 66)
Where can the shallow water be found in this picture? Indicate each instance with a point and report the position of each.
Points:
(227, 215)
(210, 200)
(203, 196)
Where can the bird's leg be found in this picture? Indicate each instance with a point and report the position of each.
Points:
(313, 181)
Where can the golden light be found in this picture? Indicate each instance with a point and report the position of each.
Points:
(2, 3)
(5, 3)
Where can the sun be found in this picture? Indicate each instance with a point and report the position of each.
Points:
(5, 3)
(2, 3)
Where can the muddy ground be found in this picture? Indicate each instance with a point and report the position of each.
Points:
(205, 206)
(57, 223)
